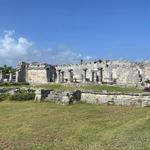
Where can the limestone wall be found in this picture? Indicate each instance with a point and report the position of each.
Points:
(60, 97)
(107, 98)
(136, 100)
(37, 76)
(99, 72)
(115, 72)
(35, 72)
(21, 72)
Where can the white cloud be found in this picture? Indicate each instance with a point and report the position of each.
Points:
(14, 49)
(11, 48)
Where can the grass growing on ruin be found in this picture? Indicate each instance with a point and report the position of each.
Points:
(112, 88)
(14, 84)
(65, 87)
(91, 87)
(57, 86)
(41, 126)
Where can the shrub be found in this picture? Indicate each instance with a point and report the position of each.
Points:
(3, 97)
(18, 83)
(13, 83)
(147, 81)
(23, 96)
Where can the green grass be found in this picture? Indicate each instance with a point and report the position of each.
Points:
(47, 126)
(110, 88)
(57, 86)
(15, 86)
(92, 87)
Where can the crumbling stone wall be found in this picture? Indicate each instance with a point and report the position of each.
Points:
(60, 97)
(103, 72)
(40, 73)
(107, 98)
(98, 72)
(21, 72)
(35, 73)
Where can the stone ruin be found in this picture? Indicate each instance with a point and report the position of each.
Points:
(57, 96)
(34, 72)
(9, 77)
(86, 96)
(94, 72)
(93, 97)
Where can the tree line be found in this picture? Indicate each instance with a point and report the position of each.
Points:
(7, 69)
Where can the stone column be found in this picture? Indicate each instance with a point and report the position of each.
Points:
(92, 76)
(100, 80)
(62, 76)
(58, 76)
(84, 75)
(10, 77)
(17, 76)
(71, 75)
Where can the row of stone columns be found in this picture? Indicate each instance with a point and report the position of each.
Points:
(10, 79)
(97, 75)
(60, 76)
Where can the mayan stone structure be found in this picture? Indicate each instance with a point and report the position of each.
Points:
(35, 72)
(96, 72)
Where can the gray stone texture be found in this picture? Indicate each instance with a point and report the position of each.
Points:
(106, 98)
(98, 72)
(136, 100)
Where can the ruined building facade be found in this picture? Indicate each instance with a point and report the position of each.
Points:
(35, 72)
(98, 72)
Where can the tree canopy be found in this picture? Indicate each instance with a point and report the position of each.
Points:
(7, 69)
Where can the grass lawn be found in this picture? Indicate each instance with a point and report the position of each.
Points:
(92, 87)
(48, 126)
(55, 86)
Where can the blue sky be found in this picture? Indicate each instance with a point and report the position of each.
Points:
(65, 31)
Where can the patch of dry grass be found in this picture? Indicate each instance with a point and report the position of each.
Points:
(29, 125)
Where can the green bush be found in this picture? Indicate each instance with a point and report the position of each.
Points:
(147, 81)
(24, 96)
(18, 83)
(13, 83)
(3, 97)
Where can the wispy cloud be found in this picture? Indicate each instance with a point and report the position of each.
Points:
(14, 49)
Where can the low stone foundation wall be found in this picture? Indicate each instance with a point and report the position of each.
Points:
(107, 98)
(61, 97)
(131, 99)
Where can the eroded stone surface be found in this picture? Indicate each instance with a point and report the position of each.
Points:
(98, 72)
(107, 98)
